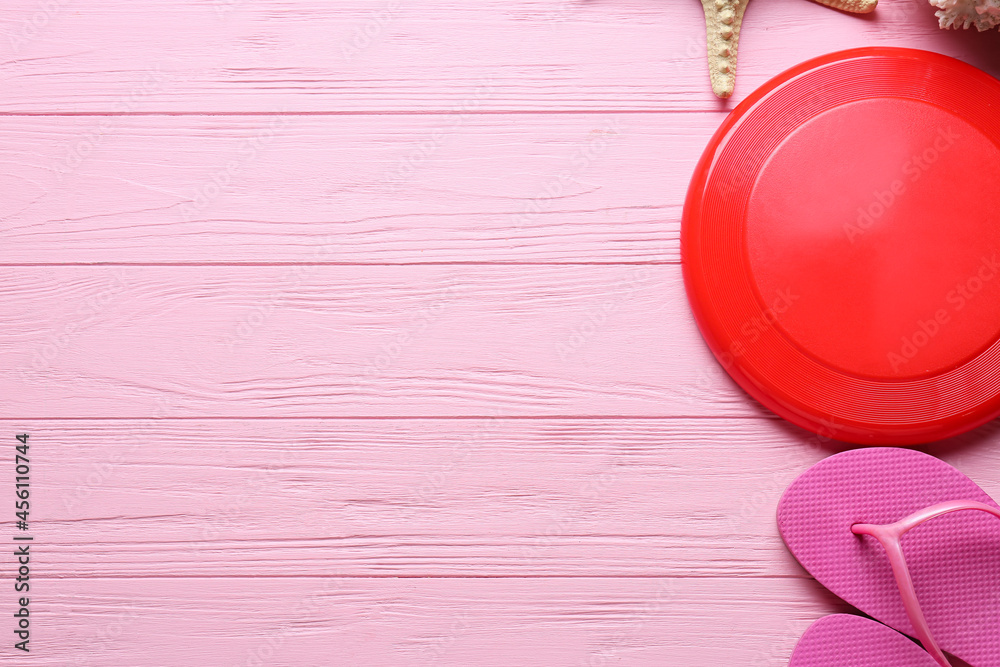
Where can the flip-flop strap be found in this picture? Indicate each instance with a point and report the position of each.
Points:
(889, 536)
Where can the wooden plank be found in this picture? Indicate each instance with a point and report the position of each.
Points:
(425, 497)
(264, 621)
(476, 497)
(224, 507)
(345, 189)
(356, 56)
(314, 341)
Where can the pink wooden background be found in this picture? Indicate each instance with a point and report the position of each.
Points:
(353, 333)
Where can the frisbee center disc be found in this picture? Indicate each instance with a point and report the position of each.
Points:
(876, 227)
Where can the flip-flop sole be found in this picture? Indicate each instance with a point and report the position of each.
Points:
(954, 559)
(843, 640)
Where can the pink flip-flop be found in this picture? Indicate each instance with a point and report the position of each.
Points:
(843, 640)
(845, 520)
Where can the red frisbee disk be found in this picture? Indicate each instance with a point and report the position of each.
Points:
(841, 246)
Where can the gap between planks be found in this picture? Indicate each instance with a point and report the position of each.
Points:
(493, 55)
(620, 498)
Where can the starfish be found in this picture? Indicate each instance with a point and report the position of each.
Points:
(723, 18)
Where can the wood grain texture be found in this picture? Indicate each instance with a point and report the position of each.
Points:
(345, 189)
(419, 55)
(329, 621)
(495, 497)
(472, 497)
(353, 332)
(313, 341)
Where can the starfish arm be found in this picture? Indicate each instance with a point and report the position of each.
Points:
(853, 6)
(722, 21)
